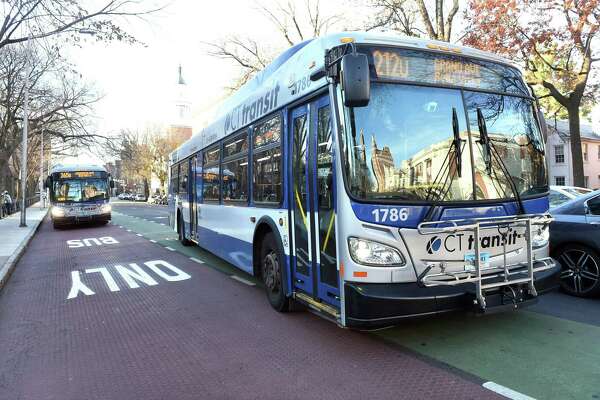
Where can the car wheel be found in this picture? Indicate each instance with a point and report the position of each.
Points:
(271, 261)
(580, 274)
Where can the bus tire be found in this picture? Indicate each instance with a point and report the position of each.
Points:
(271, 272)
(184, 241)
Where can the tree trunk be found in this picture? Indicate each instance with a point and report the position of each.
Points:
(576, 153)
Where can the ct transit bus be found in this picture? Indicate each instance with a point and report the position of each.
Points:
(79, 193)
(374, 178)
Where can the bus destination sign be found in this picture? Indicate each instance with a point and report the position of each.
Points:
(433, 69)
(79, 174)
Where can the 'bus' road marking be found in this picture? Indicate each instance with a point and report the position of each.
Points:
(244, 281)
(506, 392)
(132, 275)
(75, 243)
(169, 248)
(196, 260)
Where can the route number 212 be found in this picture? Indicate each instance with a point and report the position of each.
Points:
(390, 214)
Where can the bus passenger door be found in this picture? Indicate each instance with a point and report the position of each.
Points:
(312, 203)
(194, 197)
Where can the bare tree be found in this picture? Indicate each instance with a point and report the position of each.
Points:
(415, 17)
(20, 19)
(293, 26)
(59, 103)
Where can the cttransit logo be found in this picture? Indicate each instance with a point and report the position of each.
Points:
(462, 241)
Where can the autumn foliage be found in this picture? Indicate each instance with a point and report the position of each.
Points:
(555, 41)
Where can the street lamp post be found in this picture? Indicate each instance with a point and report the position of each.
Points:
(42, 192)
(24, 139)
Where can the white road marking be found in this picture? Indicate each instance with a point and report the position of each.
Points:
(139, 234)
(128, 230)
(506, 392)
(153, 241)
(120, 226)
(160, 217)
(163, 224)
(196, 260)
(244, 281)
(169, 248)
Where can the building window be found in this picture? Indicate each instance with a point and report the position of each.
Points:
(559, 180)
(586, 181)
(559, 154)
(585, 151)
(599, 152)
(266, 165)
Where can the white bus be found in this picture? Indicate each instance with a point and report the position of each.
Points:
(79, 193)
(373, 178)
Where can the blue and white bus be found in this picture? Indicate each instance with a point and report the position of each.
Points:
(79, 193)
(372, 178)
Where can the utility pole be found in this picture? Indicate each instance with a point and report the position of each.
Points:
(24, 140)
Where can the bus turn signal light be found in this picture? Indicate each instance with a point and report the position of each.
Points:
(359, 274)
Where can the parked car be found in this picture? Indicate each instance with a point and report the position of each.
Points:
(562, 194)
(122, 196)
(139, 197)
(575, 243)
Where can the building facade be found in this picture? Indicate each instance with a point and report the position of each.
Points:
(558, 151)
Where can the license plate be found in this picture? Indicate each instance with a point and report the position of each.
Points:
(484, 261)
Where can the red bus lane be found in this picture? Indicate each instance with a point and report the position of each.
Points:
(101, 313)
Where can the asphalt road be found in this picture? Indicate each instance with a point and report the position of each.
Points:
(140, 316)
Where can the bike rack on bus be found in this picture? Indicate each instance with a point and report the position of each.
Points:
(501, 276)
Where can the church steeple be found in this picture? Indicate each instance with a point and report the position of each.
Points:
(180, 78)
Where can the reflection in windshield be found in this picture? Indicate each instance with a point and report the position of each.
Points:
(76, 190)
(516, 142)
(402, 145)
(403, 148)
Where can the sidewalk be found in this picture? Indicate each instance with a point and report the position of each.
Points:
(14, 240)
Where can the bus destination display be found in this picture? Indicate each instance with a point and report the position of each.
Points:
(428, 68)
(80, 174)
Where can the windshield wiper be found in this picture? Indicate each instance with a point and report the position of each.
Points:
(488, 150)
(484, 140)
(457, 143)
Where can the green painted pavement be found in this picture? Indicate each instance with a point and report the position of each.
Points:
(166, 237)
(538, 355)
(542, 356)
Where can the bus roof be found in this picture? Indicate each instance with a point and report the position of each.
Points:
(77, 167)
(287, 79)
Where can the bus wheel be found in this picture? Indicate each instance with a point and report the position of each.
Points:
(271, 266)
(182, 237)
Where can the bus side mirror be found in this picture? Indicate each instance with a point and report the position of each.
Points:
(112, 184)
(355, 80)
(48, 182)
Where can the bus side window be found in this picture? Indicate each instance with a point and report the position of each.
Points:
(175, 179)
(266, 163)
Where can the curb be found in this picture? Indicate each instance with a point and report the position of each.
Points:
(12, 261)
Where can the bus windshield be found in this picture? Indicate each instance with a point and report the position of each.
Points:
(422, 143)
(79, 190)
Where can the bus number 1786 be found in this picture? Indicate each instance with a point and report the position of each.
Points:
(390, 214)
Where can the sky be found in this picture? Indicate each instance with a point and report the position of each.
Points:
(138, 82)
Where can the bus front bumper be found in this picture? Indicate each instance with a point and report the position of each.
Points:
(373, 305)
(73, 220)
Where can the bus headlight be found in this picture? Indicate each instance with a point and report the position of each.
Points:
(58, 211)
(106, 208)
(540, 236)
(376, 254)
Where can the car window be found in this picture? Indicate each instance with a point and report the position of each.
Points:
(557, 198)
(594, 205)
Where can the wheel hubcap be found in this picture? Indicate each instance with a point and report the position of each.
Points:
(580, 271)
(271, 272)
